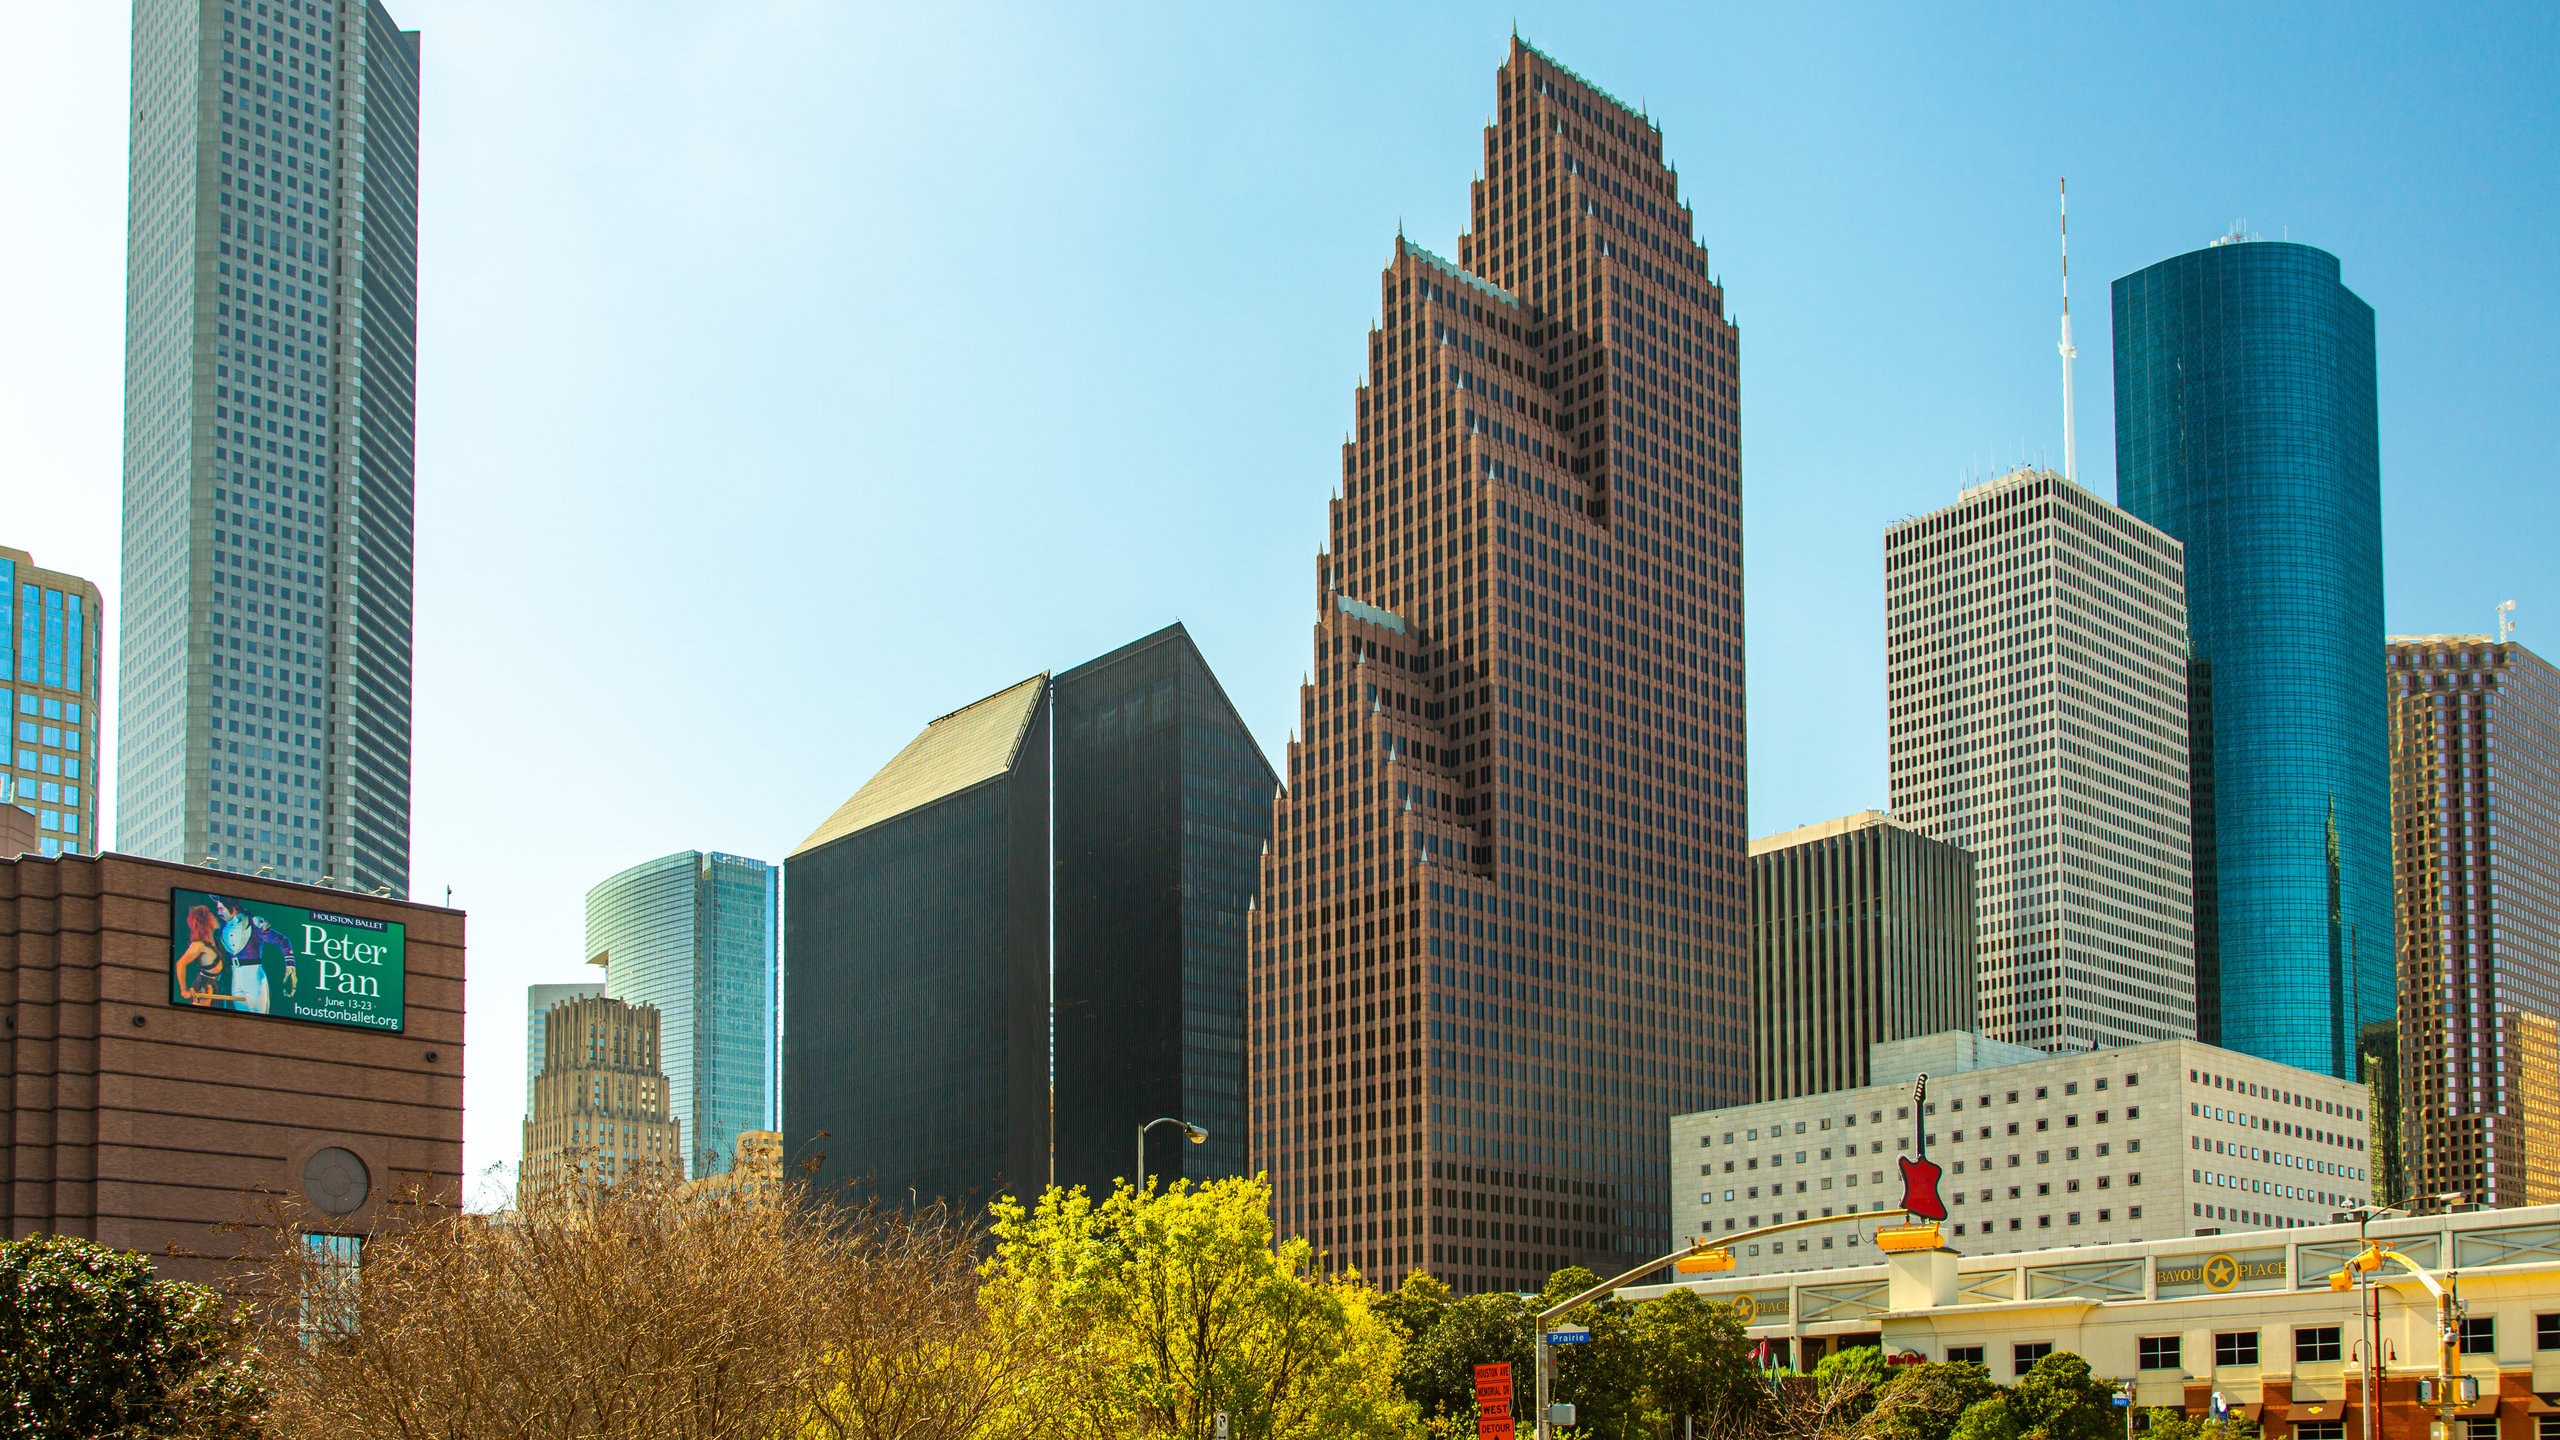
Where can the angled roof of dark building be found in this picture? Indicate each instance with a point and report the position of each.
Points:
(968, 747)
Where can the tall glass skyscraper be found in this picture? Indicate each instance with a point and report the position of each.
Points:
(270, 340)
(2245, 429)
(693, 934)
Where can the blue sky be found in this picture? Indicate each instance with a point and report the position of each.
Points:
(793, 373)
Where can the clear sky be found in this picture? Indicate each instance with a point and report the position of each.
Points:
(793, 373)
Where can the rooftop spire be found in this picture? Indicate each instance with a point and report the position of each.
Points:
(2070, 442)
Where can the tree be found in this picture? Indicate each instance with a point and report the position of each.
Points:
(1414, 1307)
(2060, 1400)
(1159, 1309)
(92, 1342)
(1439, 1371)
(2162, 1424)
(1924, 1402)
(641, 1310)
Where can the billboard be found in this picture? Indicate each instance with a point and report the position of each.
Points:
(261, 958)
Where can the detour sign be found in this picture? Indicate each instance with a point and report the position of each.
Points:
(1493, 1402)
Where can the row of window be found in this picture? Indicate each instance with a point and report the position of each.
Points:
(2321, 1344)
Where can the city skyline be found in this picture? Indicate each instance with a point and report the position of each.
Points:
(1830, 421)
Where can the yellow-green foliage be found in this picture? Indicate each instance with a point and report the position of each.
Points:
(1157, 1309)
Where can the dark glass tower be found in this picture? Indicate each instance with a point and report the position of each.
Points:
(2245, 428)
(925, 1015)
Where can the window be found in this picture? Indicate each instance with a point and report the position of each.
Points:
(2235, 1347)
(2159, 1352)
(2320, 1430)
(2023, 1358)
(2546, 1332)
(2313, 1344)
(2480, 1335)
(1972, 1355)
(2546, 1427)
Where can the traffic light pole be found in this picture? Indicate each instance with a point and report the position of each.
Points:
(1696, 1250)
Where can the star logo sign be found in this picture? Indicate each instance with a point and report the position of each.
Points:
(2221, 1273)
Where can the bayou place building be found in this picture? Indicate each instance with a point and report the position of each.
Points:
(2250, 1318)
(2141, 1142)
(179, 1039)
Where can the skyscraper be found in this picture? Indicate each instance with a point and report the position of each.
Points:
(1500, 937)
(2245, 429)
(1861, 932)
(600, 1113)
(50, 628)
(940, 977)
(2037, 716)
(538, 1000)
(2475, 800)
(270, 340)
(692, 934)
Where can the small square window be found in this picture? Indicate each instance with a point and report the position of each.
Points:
(2235, 1347)
(2546, 1332)
(2320, 1430)
(1972, 1355)
(2023, 1358)
(2480, 1335)
(2314, 1344)
(2159, 1352)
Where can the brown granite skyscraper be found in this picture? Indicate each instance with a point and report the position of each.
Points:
(1500, 936)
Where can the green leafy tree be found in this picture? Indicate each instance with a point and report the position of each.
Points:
(1924, 1402)
(1415, 1306)
(1160, 1309)
(1990, 1418)
(1438, 1374)
(2163, 1424)
(2060, 1400)
(92, 1342)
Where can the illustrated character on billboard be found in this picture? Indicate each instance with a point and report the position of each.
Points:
(253, 949)
(200, 971)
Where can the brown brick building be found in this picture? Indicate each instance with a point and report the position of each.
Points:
(145, 1123)
(1500, 937)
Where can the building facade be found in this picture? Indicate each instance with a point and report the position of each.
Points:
(940, 978)
(2036, 640)
(2245, 401)
(2136, 1142)
(538, 1000)
(151, 1119)
(601, 1114)
(1500, 937)
(692, 935)
(51, 625)
(2248, 1321)
(270, 348)
(1861, 931)
(2475, 801)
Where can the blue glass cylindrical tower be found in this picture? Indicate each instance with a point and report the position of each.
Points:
(2245, 427)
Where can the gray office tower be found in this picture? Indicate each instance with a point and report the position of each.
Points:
(938, 979)
(693, 935)
(270, 339)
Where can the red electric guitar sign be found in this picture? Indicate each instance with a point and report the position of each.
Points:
(1919, 1172)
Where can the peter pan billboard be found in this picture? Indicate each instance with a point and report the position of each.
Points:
(266, 959)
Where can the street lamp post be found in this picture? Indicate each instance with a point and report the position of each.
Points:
(1699, 1255)
(1191, 1132)
(2362, 1273)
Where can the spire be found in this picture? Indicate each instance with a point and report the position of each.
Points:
(2070, 442)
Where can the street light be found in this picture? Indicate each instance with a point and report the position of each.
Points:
(2361, 1273)
(1191, 1132)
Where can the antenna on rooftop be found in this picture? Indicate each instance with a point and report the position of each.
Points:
(2506, 624)
(2070, 442)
